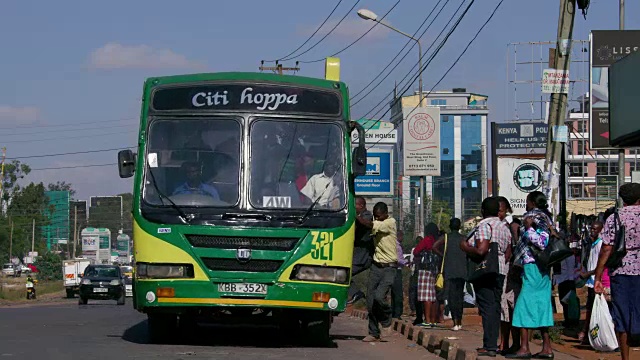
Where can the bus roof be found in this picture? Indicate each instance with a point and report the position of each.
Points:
(249, 76)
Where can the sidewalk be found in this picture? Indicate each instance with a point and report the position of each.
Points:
(452, 345)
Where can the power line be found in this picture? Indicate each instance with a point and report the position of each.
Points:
(430, 59)
(312, 35)
(356, 40)
(66, 137)
(72, 130)
(68, 153)
(74, 167)
(66, 124)
(325, 36)
(401, 50)
(455, 62)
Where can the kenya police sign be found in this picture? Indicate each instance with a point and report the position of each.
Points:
(517, 177)
(379, 176)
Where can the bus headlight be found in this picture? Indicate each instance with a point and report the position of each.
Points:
(164, 271)
(330, 274)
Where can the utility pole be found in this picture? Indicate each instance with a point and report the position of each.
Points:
(75, 230)
(11, 242)
(558, 106)
(279, 68)
(622, 169)
(33, 235)
(4, 156)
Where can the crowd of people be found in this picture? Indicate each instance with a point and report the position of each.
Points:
(502, 260)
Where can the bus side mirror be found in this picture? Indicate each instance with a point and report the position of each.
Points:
(359, 157)
(359, 161)
(126, 163)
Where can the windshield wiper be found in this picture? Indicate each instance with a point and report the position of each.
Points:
(183, 216)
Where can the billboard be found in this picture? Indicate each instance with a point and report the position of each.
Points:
(624, 77)
(376, 132)
(607, 47)
(518, 136)
(517, 177)
(421, 141)
(379, 177)
(58, 215)
(90, 243)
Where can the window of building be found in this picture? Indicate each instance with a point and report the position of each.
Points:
(577, 170)
(581, 150)
(445, 151)
(602, 168)
(575, 190)
(438, 102)
(614, 168)
(581, 126)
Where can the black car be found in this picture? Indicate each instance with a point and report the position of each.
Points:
(102, 282)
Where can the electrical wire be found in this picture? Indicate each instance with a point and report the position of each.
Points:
(429, 60)
(66, 124)
(67, 137)
(69, 153)
(405, 45)
(312, 35)
(325, 36)
(453, 65)
(71, 130)
(416, 65)
(376, 23)
(74, 167)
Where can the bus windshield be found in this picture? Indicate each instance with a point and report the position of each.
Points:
(295, 164)
(193, 162)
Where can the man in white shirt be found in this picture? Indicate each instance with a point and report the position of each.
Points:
(325, 186)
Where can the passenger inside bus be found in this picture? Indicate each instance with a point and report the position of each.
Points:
(193, 183)
(325, 187)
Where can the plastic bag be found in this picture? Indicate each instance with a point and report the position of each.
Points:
(602, 335)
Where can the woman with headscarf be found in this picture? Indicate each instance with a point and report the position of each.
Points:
(428, 270)
(533, 308)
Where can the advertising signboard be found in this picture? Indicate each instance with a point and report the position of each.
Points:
(421, 141)
(518, 177)
(607, 47)
(379, 177)
(517, 136)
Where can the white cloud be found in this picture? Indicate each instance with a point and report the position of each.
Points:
(349, 29)
(18, 115)
(118, 56)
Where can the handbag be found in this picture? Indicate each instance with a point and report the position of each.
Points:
(477, 269)
(619, 250)
(428, 261)
(440, 276)
(556, 251)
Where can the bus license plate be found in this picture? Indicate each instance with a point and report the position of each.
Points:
(100, 290)
(243, 288)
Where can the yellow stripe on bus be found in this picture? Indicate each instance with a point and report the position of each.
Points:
(315, 305)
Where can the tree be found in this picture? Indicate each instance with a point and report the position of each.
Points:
(49, 266)
(62, 186)
(13, 172)
(26, 205)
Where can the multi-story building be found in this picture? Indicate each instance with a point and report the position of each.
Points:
(463, 128)
(584, 164)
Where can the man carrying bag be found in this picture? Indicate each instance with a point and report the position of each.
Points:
(485, 249)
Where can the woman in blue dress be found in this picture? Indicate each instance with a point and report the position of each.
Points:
(533, 308)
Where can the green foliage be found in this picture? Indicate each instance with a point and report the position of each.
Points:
(62, 186)
(13, 172)
(49, 266)
(441, 213)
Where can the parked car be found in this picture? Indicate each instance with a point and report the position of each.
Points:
(102, 282)
(10, 269)
(25, 269)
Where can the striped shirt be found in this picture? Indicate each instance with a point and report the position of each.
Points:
(494, 230)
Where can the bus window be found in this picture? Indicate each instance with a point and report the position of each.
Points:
(193, 162)
(280, 150)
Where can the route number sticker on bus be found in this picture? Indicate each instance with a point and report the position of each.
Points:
(279, 202)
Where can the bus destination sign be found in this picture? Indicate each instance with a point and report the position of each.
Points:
(246, 97)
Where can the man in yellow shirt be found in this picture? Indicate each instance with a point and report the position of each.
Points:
(382, 272)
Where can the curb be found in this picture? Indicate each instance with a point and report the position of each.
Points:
(434, 343)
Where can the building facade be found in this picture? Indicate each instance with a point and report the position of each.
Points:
(463, 127)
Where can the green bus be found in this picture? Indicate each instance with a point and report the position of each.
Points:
(243, 201)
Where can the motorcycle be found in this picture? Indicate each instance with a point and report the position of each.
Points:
(31, 289)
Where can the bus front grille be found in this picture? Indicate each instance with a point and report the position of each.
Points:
(226, 264)
(235, 242)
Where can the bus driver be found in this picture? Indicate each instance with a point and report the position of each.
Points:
(194, 184)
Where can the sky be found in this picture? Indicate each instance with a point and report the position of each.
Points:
(72, 72)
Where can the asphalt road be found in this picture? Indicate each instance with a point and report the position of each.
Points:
(103, 330)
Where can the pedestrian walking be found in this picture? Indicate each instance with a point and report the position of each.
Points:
(455, 273)
(397, 290)
(382, 272)
(362, 247)
(428, 265)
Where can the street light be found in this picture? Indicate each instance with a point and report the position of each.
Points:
(370, 15)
